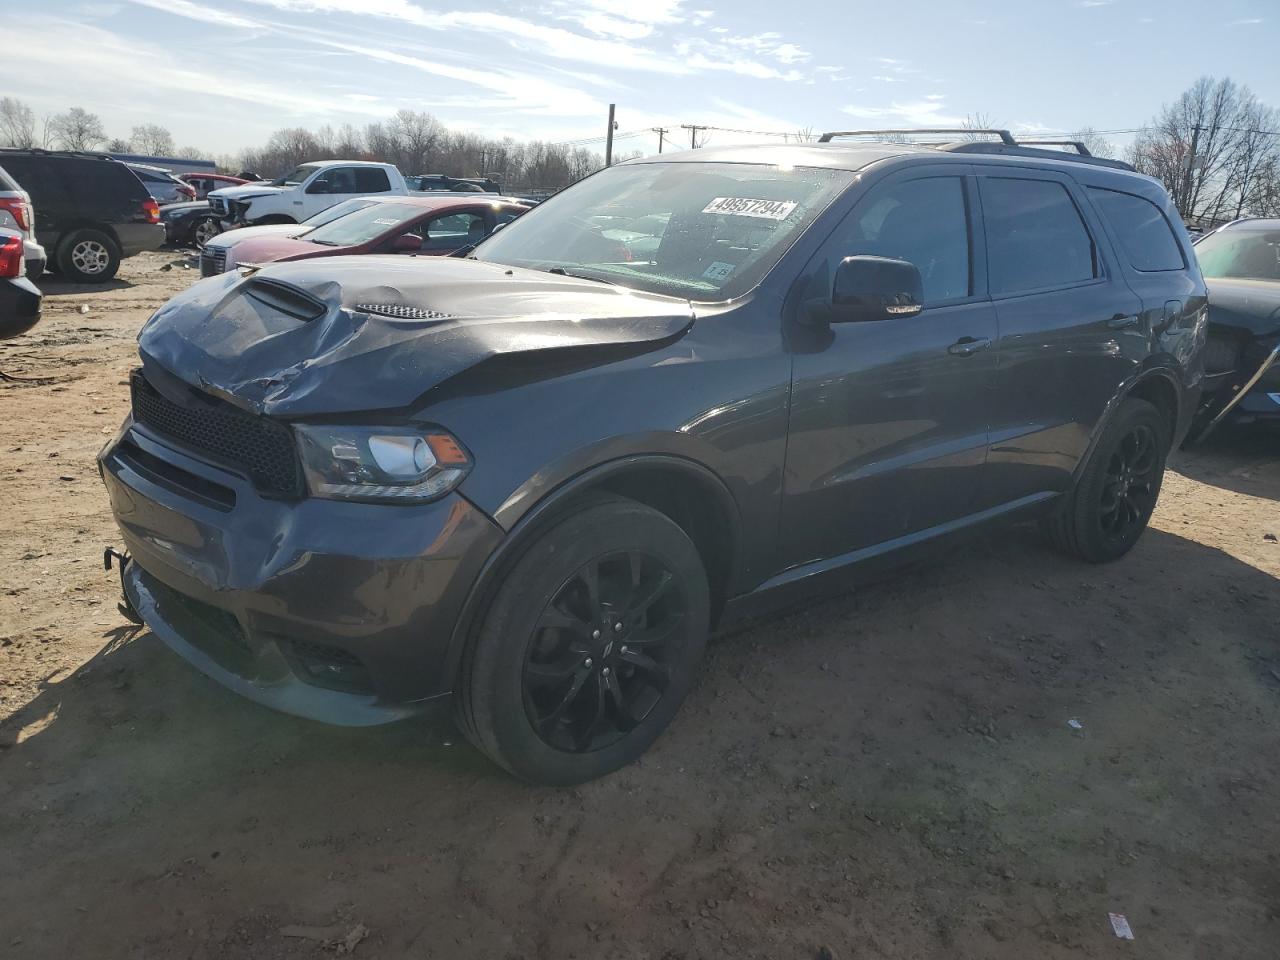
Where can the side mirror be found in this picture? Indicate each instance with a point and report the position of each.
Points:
(875, 288)
(406, 243)
(320, 185)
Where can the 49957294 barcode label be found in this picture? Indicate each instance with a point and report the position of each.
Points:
(747, 207)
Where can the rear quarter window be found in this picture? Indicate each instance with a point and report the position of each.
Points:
(94, 183)
(1145, 233)
(371, 180)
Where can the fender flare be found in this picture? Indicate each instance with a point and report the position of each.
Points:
(533, 520)
(1166, 373)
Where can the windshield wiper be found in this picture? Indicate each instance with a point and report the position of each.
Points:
(561, 271)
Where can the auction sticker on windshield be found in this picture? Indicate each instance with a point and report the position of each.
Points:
(746, 207)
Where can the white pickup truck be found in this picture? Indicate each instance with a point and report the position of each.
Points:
(303, 193)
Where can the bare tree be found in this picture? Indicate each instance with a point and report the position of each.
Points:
(417, 137)
(117, 145)
(419, 143)
(77, 129)
(152, 139)
(1095, 142)
(17, 124)
(1210, 149)
(975, 122)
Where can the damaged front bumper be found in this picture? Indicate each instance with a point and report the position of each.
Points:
(339, 612)
(1258, 398)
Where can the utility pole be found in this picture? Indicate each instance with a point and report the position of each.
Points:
(661, 132)
(608, 138)
(694, 129)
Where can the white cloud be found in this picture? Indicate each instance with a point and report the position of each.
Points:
(1246, 22)
(925, 112)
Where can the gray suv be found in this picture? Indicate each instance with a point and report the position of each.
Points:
(530, 480)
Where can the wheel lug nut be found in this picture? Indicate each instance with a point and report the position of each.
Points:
(595, 634)
(617, 627)
(605, 671)
(587, 663)
(622, 649)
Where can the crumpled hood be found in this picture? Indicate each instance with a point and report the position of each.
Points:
(1249, 305)
(246, 192)
(304, 339)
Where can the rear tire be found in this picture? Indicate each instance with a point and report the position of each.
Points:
(590, 644)
(88, 256)
(1103, 517)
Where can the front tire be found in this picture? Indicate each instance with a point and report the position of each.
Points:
(1108, 510)
(589, 645)
(88, 256)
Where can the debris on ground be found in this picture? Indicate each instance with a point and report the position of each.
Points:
(1120, 924)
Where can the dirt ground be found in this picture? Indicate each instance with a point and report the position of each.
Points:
(890, 773)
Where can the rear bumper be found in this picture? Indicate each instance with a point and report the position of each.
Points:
(20, 305)
(139, 237)
(339, 612)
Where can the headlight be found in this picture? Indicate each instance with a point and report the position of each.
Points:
(380, 463)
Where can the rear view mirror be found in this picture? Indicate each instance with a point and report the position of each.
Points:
(875, 288)
(407, 243)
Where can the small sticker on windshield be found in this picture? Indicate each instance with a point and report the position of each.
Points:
(718, 271)
(746, 207)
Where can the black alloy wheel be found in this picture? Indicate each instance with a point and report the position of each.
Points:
(597, 662)
(1131, 479)
(588, 644)
(1108, 508)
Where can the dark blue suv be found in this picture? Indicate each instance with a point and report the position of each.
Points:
(532, 479)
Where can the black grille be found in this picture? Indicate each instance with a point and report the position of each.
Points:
(259, 446)
(213, 262)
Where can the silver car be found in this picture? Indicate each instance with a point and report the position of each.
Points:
(17, 213)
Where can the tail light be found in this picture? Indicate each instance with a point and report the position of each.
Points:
(11, 252)
(151, 210)
(20, 210)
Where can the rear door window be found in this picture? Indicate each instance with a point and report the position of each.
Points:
(1036, 238)
(1145, 233)
(371, 180)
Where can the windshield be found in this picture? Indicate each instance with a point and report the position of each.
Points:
(1240, 253)
(362, 226)
(336, 211)
(296, 177)
(703, 231)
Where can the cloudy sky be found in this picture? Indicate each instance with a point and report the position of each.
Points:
(222, 74)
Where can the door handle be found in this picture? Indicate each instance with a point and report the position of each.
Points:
(968, 346)
(1122, 320)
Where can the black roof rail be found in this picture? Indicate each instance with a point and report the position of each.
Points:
(1080, 147)
(1019, 150)
(1005, 136)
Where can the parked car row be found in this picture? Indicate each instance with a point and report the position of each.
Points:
(90, 211)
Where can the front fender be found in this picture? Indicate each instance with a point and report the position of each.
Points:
(541, 498)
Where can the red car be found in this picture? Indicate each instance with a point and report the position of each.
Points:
(204, 182)
(431, 225)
